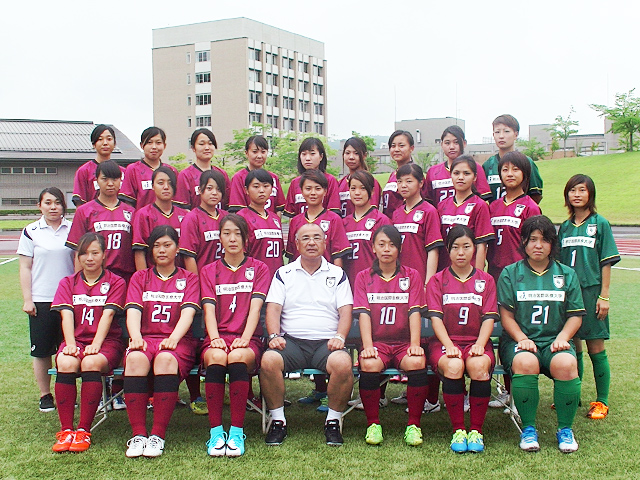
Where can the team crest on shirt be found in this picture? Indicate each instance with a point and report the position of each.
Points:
(558, 281)
(480, 285)
(324, 225)
(369, 224)
(417, 215)
(249, 273)
(331, 281)
(181, 283)
(275, 220)
(469, 208)
(180, 217)
(127, 215)
(104, 288)
(518, 210)
(404, 284)
(592, 228)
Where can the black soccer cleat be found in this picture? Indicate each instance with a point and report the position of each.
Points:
(332, 433)
(276, 434)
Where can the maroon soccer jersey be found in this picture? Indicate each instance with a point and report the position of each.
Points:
(360, 235)
(506, 219)
(420, 230)
(296, 204)
(331, 224)
(162, 300)
(188, 189)
(389, 302)
(265, 238)
(462, 305)
(391, 199)
(346, 206)
(200, 236)
(149, 217)
(232, 291)
(473, 212)
(238, 198)
(88, 301)
(440, 186)
(85, 184)
(137, 186)
(114, 224)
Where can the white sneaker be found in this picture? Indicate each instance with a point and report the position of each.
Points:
(294, 375)
(355, 401)
(154, 447)
(136, 446)
(401, 400)
(501, 400)
(428, 407)
(118, 403)
(467, 405)
(383, 403)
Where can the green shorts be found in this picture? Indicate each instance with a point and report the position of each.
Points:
(592, 328)
(508, 349)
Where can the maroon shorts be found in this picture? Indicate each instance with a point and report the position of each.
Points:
(437, 351)
(184, 353)
(391, 354)
(112, 349)
(256, 344)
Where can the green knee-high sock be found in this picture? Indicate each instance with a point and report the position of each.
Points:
(526, 396)
(580, 365)
(602, 374)
(566, 395)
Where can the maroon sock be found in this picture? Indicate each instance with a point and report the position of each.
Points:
(479, 394)
(433, 391)
(507, 383)
(238, 390)
(66, 392)
(90, 395)
(453, 394)
(165, 396)
(193, 384)
(370, 396)
(416, 395)
(321, 383)
(136, 396)
(214, 391)
(116, 385)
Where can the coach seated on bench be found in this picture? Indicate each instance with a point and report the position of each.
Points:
(308, 318)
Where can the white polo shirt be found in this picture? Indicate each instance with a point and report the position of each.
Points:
(52, 260)
(310, 302)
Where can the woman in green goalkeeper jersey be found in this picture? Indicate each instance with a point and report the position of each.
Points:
(588, 247)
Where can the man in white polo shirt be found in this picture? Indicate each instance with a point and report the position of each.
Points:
(308, 318)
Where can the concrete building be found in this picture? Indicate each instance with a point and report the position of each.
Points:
(227, 74)
(35, 154)
(581, 144)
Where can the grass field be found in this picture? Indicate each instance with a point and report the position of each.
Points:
(607, 448)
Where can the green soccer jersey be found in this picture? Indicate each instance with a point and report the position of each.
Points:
(541, 302)
(587, 248)
(493, 178)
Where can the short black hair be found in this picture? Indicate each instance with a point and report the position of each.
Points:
(259, 174)
(214, 175)
(314, 175)
(361, 149)
(308, 144)
(508, 120)
(457, 132)
(160, 231)
(151, 132)
(411, 169)
(519, 160)
(396, 239)
(239, 222)
(109, 169)
(87, 239)
(591, 188)
(365, 178)
(173, 179)
(546, 227)
(458, 231)
(398, 133)
(95, 135)
(56, 192)
(203, 131)
(257, 140)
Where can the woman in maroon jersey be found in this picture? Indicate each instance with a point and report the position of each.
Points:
(354, 155)
(161, 303)
(88, 302)
(233, 292)
(462, 307)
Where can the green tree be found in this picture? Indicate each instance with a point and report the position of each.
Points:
(370, 142)
(555, 146)
(423, 158)
(624, 117)
(179, 160)
(562, 128)
(531, 148)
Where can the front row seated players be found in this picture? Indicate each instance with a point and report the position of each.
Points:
(541, 308)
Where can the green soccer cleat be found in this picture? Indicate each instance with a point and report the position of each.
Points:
(413, 436)
(475, 442)
(374, 434)
(459, 441)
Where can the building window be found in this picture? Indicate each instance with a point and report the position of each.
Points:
(272, 100)
(41, 170)
(203, 99)
(203, 56)
(188, 57)
(303, 87)
(317, 71)
(304, 106)
(271, 79)
(203, 121)
(287, 63)
(204, 77)
(287, 82)
(303, 67)
(317, 109)
(189, 122)
(21, 202)
(188, 79)
(254, 97)
(287, 124)
(188, 100)
(287, 103)
(254, 54)
(319, 128)
(317, 89)
(255, 117)
(254, 76)
(273, 121)
(28, 170)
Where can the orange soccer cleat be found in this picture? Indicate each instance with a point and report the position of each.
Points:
(598, 411)
(81, 442)
(64, 438)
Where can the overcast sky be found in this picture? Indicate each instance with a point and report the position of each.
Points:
(84, 60)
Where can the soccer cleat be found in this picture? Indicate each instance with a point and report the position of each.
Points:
(324, 405)
(501, 400)
(467, 405)
(529, 439)
(383, 403)
(566, 441)
(64, 439)
(46, 403)
(598, 411)
(354, 402)
(412, 436)
(374, 434)
(459, 441)
(136, 446)
(313, 397)
(277, 433)
(81, 441)
(101, 406)
(332, 433)
(428, 407)
(401, 400)
(118, 403)
(154, 447)
(217, 444)
(395, 379)
(199, 406)
(150, 403)
(235, 444)
(475, 442)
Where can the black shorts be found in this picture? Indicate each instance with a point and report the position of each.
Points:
(299, 353)
(45, 331)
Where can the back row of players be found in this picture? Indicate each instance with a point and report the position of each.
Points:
(152, 192)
